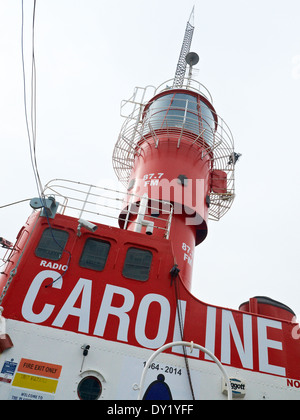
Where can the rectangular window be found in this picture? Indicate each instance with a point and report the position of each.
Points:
(94, 255)
(137, 264)
(52, 244)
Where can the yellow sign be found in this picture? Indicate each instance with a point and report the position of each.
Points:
(35, 382)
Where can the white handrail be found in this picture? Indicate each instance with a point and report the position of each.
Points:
(187, 344)
(102, 203)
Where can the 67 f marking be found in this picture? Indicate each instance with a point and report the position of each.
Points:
(152, 179)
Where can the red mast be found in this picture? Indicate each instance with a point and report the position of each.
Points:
(177, 154)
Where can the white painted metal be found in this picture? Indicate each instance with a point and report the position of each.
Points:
(186, 344)
(119, 367)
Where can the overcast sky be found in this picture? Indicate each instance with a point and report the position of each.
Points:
(90, 54)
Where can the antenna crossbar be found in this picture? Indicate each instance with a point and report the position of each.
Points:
(185, 48)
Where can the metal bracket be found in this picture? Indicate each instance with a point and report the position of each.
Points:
(48, 205)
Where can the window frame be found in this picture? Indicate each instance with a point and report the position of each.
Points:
(180, 109)
(136, 277)
(99, 240)
(81, 392)
(55, 240)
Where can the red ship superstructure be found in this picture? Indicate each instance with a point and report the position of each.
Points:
(99, 310)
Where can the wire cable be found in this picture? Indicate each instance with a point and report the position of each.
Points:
(31, 135)
(15, 202)
(174, 280)
(33, 98)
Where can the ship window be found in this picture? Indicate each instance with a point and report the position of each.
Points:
(137, 264)
(94, 254)
(89, 388)
(52, 244)
(181, 110)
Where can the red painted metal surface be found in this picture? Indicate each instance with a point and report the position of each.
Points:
(5, 342)
(173, 163)
(140, 313)
(265, 306)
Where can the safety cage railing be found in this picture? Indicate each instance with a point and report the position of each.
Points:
(199, 124)
(108, 206)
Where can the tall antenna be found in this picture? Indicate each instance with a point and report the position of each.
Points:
(185, 49)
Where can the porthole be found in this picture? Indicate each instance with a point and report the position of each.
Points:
(89, 388)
